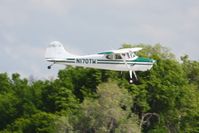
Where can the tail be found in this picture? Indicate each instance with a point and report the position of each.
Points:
(55, 51)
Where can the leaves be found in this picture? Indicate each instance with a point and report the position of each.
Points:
(90, 100)
(110, 112)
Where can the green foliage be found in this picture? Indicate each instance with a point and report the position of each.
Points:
(57, 97)
(156, 52)
(90, 100)
(8, 109)
(192, 70)
(84, 81)
(5, 83)
(109, 113)
(169, 89)
(40, 122)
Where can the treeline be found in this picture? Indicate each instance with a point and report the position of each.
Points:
(166, 99)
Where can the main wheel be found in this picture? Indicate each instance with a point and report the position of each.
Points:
(131, 81)
(49, 67)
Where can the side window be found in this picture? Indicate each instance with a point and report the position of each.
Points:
(117, 56)
(110, 57)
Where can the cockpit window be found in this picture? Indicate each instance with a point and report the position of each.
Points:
(118, 56)
(133, 55)
(128, 56)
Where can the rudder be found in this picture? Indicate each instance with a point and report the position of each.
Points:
(56, 50)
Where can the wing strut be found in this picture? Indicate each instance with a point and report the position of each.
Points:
(131, 76)
(124, 59)
(131, 72)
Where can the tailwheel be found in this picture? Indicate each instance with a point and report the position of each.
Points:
(49, 67)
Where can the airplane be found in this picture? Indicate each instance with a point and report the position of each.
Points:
(118, 60)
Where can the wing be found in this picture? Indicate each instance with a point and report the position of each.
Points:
(120, 51)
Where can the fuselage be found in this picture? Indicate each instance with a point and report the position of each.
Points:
(118, 60)
(101, 61)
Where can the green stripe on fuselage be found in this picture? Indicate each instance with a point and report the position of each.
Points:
(142, 59)
(107, 53)
(71, 59)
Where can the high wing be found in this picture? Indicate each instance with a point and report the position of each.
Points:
(120, 51)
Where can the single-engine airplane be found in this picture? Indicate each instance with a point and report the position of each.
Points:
(118, 60)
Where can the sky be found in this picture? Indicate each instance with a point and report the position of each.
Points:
(90, 26)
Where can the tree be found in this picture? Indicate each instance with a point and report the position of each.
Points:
(90, 100)
(57, 97)
(40, 122)
(109, 113)
(8, 109)
(164, 90)
(83, 80)
(192, 70)
(156, 51)
(5, 83)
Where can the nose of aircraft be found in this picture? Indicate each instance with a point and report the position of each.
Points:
(142, 59)
(154, 61)
(151, 60)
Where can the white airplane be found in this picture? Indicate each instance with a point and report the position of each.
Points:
(118, 60)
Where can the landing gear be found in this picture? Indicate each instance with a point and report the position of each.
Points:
(133, 79)
(49, 67)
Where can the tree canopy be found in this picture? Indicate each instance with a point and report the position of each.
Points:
(99, 101)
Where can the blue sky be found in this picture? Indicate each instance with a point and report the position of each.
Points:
(90, 26)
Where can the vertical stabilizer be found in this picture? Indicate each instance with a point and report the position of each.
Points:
(56, 50)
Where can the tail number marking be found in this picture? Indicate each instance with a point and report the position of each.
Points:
(86, 61)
